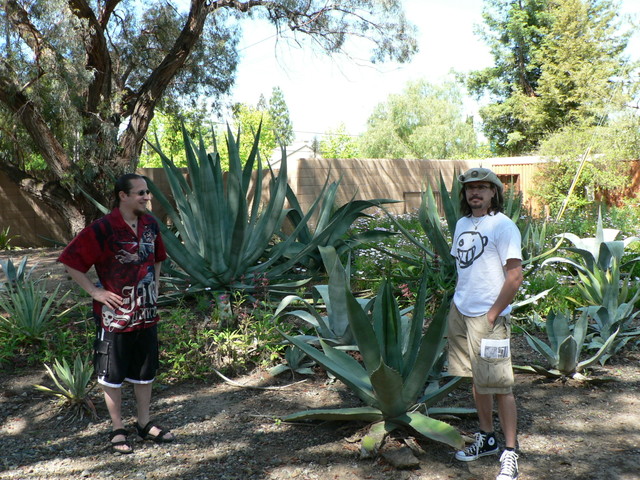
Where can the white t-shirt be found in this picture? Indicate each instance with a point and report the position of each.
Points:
(481, 250)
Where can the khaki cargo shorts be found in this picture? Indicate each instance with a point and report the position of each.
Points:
(465, 334)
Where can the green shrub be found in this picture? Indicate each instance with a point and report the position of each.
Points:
(194, 345)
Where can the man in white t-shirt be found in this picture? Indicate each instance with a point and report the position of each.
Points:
(487, 249)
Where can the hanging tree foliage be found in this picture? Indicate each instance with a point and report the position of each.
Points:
(80, 80)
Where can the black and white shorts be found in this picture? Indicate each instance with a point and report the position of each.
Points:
(126, 356)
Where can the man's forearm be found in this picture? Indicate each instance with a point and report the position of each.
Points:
(512, 283)
(110, 299)
(82, 279)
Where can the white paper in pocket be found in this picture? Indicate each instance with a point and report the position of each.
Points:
(490, 348)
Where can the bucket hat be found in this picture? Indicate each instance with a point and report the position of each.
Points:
(480, 174)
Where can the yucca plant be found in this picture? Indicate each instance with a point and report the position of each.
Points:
(395, 369)
(28, 309)
(15, 274)
(72, 386)
(566, 341)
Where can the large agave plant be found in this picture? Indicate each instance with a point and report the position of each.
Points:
(395, 367)
(331, 226)
(598, 273)
(222, 236)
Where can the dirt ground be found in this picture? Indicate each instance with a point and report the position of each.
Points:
(567, 430)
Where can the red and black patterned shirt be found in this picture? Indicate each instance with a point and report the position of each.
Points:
(125, 264)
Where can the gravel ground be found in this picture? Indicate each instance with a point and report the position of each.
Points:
(568, 430)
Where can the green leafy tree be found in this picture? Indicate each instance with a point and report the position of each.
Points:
(247, 120)
(201, 122)
(424, 121)
(80, 81)
(166, 130)
(603, 173)
(338, 143)
(557, 64)
(279, 112)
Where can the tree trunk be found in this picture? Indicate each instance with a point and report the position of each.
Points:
(157, 83)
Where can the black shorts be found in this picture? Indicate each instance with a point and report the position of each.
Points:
(126, 356)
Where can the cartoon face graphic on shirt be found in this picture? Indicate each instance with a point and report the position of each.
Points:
(469, 246)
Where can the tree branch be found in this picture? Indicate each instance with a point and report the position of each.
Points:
(19, 18)
(151, 91)
(98, 59)
(17, 102)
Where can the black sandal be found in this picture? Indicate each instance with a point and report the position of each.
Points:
(121, 443)
(160, 438)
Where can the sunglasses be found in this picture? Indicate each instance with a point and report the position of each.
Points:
(140, 193)
(479, 188)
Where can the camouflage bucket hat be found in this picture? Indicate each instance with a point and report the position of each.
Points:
(481, 175)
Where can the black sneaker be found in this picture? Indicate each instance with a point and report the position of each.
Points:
(509, 468)
(485, 444)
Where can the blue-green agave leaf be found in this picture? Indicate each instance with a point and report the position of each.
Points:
(431, 428)
(365, 414)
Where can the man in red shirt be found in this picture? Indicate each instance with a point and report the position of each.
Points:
(127, 251)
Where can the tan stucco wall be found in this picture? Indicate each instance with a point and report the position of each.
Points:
(365, 179)
(29, 223)
(362, 179)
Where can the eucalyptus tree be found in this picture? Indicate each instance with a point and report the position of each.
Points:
(424, 121)
(80, 80)
(557, 65)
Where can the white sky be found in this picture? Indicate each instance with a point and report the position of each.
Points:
(322, 92)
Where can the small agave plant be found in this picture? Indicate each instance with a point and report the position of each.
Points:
(296, 361)
(72, 386)
(396, 363)
(565, 344)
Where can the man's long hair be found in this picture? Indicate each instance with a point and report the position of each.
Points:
(497, 201)
(123, 184)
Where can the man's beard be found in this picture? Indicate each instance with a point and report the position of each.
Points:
(475, 206)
